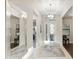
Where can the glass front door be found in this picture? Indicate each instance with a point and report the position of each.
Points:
(51, 33)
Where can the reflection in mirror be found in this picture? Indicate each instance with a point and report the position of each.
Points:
(14, 31)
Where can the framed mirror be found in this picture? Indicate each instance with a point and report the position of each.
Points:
(14, 31)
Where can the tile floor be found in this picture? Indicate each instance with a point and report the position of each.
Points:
(44, 52)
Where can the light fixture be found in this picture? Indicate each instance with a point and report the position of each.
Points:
(50, 15)
(24, 15)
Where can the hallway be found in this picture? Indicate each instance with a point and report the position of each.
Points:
(37, 29)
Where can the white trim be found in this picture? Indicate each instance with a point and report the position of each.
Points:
(66, 53)
(28, 54)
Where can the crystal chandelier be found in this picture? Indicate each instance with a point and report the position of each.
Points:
(50, 16)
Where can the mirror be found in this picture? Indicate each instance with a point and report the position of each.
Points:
(14, 31)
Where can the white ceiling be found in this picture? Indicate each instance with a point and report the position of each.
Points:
(42, 6)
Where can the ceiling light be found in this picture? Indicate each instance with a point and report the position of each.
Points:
(50, 16)
(24, 15)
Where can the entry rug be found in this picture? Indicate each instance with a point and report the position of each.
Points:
(50, 51)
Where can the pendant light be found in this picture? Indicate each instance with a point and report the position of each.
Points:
(50, 16)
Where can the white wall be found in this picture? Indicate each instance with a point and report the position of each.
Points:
(59, 29)
(11, 11)
(7, 36)
(22, 32)
(69, 21)
(29, 29)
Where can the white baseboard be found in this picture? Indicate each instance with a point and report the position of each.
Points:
(28, 54)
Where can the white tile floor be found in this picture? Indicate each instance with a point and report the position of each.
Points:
(17, 53)
(33, 52)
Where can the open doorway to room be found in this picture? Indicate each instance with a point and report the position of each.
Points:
(68, 31)
(34, 33)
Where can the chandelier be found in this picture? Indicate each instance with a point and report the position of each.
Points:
(50, 16)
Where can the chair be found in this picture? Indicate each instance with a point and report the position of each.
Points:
(65, 39)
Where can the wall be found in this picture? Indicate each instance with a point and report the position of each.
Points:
(29, 29)
(59, 29)
(69, 21)
(9, 52)
(7, 36)
(22, 31)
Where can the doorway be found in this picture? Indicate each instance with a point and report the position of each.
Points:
(34, 33)
(50, 32)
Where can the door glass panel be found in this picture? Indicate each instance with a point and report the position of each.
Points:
(52, 28)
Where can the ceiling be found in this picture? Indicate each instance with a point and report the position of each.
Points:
(43, 6)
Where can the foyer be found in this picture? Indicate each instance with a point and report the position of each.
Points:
(39, 29)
